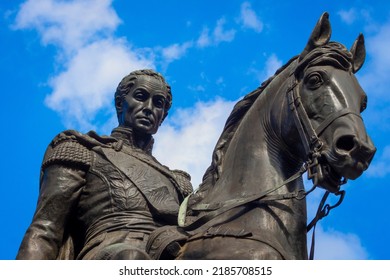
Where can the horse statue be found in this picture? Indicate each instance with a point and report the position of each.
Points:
(252, 201)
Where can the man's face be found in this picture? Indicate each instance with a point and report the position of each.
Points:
(143, 107)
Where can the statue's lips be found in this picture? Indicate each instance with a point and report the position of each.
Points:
(145, 120)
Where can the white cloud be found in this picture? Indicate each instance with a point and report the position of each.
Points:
(68, 24)
(220, 82)
(198, 88)
(348, 16)
(375, 78)
(88, 83)
(354, 15)
(219, 34)
(249, 18)
(271, 64)
(204, 39)
(334, 245)
(92, 58)
(222, 35)
(192, 134)
(380, 167)
(175, 51)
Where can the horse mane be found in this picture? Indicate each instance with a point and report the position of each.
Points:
(232, 123)
(333, 53)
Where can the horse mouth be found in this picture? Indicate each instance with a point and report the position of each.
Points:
(326, 176)
(335, 180)
(334, 171)
(347, 166)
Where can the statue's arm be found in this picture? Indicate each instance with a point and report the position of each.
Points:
(59, 192)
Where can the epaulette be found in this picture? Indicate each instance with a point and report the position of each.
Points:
(183, 179)
(66, 149)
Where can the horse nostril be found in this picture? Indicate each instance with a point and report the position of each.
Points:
(346, 143)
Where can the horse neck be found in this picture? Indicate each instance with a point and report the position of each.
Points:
(257, 158)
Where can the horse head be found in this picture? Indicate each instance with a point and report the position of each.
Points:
(326, 101)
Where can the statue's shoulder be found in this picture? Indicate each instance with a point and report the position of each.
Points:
(183, 180)
(180, 178)
(73, 148)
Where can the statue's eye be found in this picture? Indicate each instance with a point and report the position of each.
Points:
(140, 95)
(314, 80)
(159, 102)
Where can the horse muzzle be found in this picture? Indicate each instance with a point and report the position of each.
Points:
(350, 155)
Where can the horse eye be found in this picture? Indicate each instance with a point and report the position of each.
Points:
(314, 80)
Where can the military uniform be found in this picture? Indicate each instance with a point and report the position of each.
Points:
(100, 196)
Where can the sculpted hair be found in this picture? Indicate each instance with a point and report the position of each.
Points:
(129, 80)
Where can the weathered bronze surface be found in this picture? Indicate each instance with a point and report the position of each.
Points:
(101, 196)
(108, 198)
(251, 204)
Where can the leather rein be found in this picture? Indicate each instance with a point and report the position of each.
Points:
(313, 146)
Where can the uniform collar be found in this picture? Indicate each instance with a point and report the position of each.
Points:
(127, 136)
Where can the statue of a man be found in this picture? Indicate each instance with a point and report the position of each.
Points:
(101, 196)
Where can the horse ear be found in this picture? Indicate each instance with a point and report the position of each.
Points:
(358, 51)
(320, 35)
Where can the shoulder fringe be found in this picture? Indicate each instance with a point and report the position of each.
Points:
(72, 148)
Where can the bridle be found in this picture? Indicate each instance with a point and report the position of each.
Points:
(313, 146)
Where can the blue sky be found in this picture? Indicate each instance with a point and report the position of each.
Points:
(62, 61)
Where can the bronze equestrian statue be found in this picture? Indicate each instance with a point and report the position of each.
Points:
(252, 202)
(101, 196)
(108, 198)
